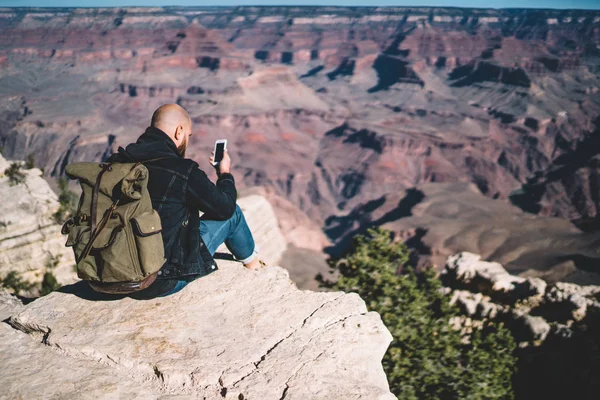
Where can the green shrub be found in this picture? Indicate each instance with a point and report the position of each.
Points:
(15, 283)
(68, 202)
(49, 283)
(30, 161)
(15, 174)
(427, 357)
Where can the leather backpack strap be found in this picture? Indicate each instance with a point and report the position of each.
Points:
(95, 230)
(95, 233)
(94, 203)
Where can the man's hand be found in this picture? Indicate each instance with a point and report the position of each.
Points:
(224, 166)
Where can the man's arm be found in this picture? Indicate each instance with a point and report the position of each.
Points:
(217, 201)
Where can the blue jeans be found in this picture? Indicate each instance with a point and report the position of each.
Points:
(234, 232)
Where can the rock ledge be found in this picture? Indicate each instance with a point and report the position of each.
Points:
(235, 333)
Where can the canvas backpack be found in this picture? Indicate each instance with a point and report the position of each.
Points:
(115, 233)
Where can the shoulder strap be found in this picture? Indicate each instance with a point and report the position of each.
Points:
(94, 203)
(153, 159)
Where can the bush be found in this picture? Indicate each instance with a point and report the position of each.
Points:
(68, 202)
(14, 174)
(30, 162)
(427, 358)
(49, 283)
(15, 283)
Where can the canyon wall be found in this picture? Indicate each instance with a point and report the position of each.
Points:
(329, 109)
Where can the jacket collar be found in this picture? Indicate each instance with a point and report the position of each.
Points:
(153, 143)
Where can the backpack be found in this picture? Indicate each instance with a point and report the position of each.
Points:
(115, 233)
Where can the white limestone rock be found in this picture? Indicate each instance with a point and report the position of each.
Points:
(491, 278)
(29, 236)
(261, 219)
(567, 301)
(532, 309)
(233, 333)
(531, 328)
(9, 304)
(32, 370)
(475, 304)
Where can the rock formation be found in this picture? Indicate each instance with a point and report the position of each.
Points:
(30, 239)
(235, 334)
(532, 309)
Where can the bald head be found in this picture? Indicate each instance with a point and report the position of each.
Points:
(169, 116)
(173, 120)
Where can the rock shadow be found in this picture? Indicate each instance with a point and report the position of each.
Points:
(339, 229)
(82, 290)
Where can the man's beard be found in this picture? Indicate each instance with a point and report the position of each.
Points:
(182, 147)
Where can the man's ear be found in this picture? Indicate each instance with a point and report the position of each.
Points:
(178, 132)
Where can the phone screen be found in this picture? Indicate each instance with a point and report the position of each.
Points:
(219, 152)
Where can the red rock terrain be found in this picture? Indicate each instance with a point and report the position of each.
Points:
(335, 111)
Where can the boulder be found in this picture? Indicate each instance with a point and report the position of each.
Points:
(236, 333)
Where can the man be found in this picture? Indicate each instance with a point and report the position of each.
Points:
(179, 189)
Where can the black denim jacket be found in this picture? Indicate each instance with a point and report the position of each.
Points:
(178, 189)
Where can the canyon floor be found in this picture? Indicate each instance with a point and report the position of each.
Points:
(459, 129)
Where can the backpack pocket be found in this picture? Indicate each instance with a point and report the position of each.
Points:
(79, 236)
(151, 252)
(109, 259)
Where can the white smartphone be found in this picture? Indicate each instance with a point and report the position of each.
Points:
(220, 146)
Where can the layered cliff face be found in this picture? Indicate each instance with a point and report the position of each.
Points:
(30, 240)
(234, 334)
(331, 109)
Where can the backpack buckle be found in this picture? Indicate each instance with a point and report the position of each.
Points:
(80, 218)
